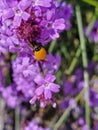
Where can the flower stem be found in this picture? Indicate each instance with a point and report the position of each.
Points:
(85, 64)
(41, 69)
(67, 111)
(90, 26)
(17, 119)
(2, 112)
(78, 52)
(74, 62)
(52, 46)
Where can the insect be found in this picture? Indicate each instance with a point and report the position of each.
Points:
(39, 51)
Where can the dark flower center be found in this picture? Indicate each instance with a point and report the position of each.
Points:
(29, 31)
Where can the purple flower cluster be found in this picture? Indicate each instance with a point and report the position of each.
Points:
(10, 95)
(33, 125)
(45, 90)
(23, 73)
(29, 81)
(73, 85)
(22, 22)
(34, 83)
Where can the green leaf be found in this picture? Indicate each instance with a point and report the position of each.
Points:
(92, 2)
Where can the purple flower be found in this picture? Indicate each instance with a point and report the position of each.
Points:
(52, 24)
(56, 28)
(31, 21)
(75, 83)
(33, 125)
(93, 98)
(46, 89)
(81, 121)
(79, 75)
(68, 87)
(85, 127)
(94, 32)
(24, 72)
(46, 86)
(27, 76)
(8, 40)
(95, 125)
(3, 37)
(24, 23)
(66, 11)
(43, 3)
(17, 10)
(3, 45)
(52, 63)
(10, 96)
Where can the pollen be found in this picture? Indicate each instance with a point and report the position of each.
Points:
(40, 54)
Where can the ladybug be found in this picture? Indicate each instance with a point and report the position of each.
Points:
(39, 51)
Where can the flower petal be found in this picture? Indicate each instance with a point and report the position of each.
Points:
(39, 80)
(25, 16)
(17, 21)
(39, 90)
(54, 87)
(47, 94)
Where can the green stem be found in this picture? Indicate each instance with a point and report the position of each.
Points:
(78, 52)
(85, 64)
(17, 119)
(91, 24)
(2, 112)
(92, 2)
(65, 52)
(74, 62)
(52, 46)
(67, 111)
